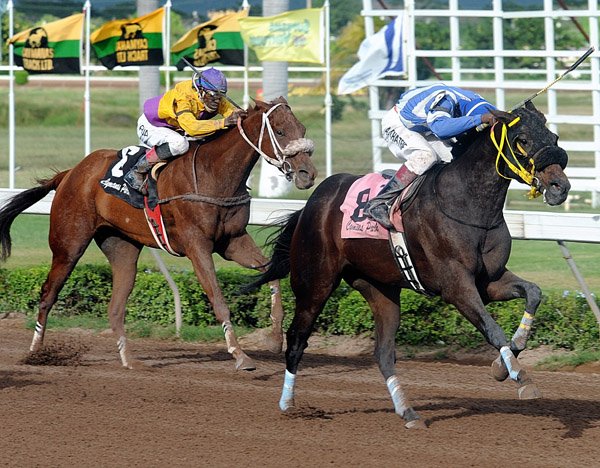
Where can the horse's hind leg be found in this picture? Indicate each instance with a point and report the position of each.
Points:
(65, 255)
(244, 251)
(123, 256)
(508, 287)
(385, 304)
(59, 272)
(309, 304)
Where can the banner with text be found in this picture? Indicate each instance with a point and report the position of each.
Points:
(217, 40)
(294, 36)
(52, 48)
(137, 41)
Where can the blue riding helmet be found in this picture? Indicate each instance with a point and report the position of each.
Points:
(210, 79)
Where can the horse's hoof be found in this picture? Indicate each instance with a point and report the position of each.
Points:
(286, 405)
(529, 392)
(134, 364)
(499, 370)
(416, 424)
(244, 363)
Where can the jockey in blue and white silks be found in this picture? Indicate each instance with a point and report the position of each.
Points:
(420, 129)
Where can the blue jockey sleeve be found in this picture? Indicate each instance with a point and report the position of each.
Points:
(445, 127)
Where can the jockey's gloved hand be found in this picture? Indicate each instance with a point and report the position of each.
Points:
(232, 119)
(488, 119)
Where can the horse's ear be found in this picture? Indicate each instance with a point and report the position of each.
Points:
(260, 105)
(502, 116)
(281, 100)
(530, 107)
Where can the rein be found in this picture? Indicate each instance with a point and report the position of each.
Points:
(301, 145)
(515, 166)
(197, 197)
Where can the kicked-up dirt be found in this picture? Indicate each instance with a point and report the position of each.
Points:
(185, 405)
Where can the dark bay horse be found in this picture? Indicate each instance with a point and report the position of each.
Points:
(206, 210)
(457, 238)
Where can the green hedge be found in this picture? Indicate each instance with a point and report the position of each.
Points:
(564, 321)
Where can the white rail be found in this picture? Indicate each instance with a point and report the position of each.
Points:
(533, 225)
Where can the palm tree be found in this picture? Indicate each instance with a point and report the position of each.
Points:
(149, 76)
(275, 84)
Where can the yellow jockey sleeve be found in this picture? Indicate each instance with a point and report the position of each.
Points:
(181, 107)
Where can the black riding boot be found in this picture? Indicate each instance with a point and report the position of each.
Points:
(136, 178)
(378, 208)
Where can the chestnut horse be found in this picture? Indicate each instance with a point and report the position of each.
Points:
(456, 236)
(205, 206)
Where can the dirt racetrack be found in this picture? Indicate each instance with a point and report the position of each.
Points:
(186, 406)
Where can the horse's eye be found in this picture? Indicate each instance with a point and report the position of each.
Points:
(521, 141)
(279, 132)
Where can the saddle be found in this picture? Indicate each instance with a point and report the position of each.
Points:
(356, 225)
(114, 184)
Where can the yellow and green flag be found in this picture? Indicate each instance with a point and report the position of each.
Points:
(137, 41)
(52, 48)
(218, 40)
(294, 36)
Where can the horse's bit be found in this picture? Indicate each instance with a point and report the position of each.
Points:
(294, 147)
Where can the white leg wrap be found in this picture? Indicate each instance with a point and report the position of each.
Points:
(229, 336)
(522, 334)
(122, 347)
(37, 337)
(287, 393)
(398, 397)
(510, 362)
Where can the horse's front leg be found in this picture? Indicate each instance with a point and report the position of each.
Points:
(464, 295)
(245, 252)
(510, 286)
(204, 268)
(385, 305)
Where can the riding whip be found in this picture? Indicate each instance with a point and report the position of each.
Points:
(199, 72)
(568, 70)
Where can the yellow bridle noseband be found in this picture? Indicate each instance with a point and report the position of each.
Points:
(515, 166)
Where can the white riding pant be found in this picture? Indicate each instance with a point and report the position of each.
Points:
(151, 135)
(418, 152)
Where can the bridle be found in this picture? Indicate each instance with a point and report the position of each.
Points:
(280, 155)
(513, 163)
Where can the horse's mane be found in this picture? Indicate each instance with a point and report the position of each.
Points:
(464, 141)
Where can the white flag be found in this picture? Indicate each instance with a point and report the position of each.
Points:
(379, 55)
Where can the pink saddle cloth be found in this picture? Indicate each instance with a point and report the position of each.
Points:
(357, 225)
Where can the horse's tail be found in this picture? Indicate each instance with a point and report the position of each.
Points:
(20, 202)
(280, 241)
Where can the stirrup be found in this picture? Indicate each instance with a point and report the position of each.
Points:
(137, 181)
(381, 214)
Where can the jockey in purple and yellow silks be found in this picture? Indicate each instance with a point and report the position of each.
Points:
(420, 131)
(186, 110)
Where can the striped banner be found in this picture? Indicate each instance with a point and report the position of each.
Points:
(132, 42)
(52, 48)
(218, 40)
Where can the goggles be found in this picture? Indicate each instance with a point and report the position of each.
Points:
(211, 94)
